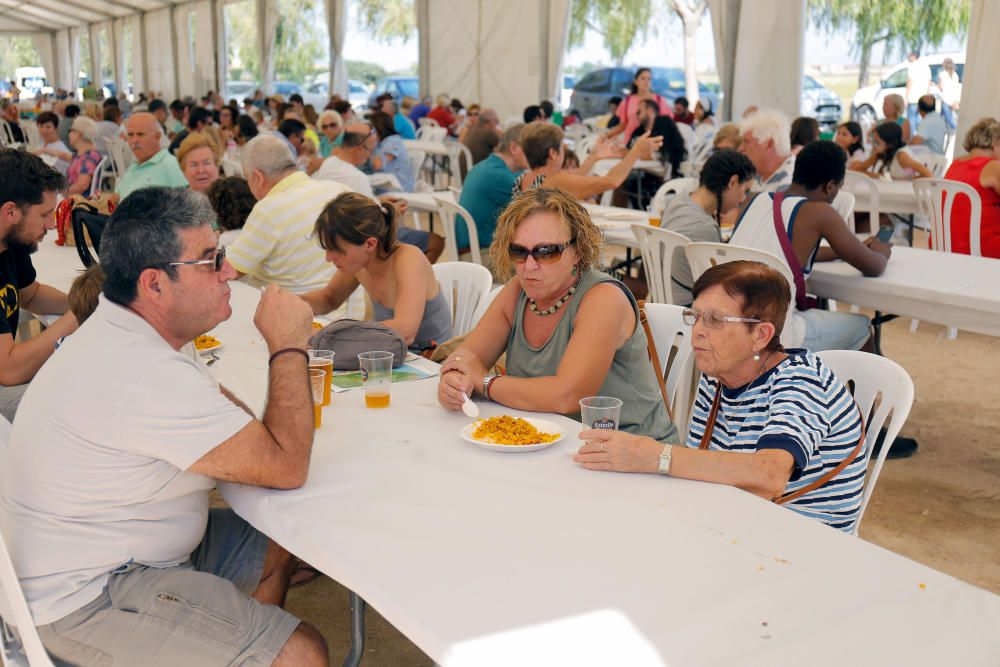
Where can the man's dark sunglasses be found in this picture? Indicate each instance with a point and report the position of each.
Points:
(544, 253)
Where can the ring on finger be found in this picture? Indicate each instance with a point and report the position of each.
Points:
(602, 447)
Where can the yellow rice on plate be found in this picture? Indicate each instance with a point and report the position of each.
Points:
(206, 342)
(507, 430)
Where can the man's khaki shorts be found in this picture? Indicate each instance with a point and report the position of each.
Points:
(195, 614)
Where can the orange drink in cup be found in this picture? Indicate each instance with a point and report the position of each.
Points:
(376, 374)
(316, 382)
(323, 360)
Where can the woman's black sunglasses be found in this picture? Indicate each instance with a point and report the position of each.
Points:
(544, 253)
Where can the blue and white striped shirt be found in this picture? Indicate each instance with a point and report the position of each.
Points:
(798, 406)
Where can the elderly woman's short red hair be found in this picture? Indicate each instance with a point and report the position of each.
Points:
(764, 294)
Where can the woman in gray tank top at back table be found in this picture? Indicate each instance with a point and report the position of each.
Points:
(359, 237)
(569, 331)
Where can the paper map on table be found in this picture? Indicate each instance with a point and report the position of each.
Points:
(345, 380)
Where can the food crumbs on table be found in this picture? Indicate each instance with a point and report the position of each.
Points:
(205, 342)
(735, 542)
(507, 430)
(923, 587)
(760, 567)
(780, 560)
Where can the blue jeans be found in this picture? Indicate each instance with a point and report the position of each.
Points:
(950, 117)
(914, 117)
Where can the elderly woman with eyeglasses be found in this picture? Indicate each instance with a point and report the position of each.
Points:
(774, 422)
(569, 331)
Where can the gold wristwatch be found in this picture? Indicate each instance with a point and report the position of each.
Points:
(664, 466)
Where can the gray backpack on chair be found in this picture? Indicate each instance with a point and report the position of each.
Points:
(349, 338)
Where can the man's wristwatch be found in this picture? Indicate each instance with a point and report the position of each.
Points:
(487, 380)
(664, 466)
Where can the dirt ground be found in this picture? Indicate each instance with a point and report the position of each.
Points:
(941, 507)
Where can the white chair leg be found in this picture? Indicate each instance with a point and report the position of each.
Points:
(952, 333)
(855, 309)
(913, 325)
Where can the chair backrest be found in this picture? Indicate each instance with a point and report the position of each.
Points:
(432, 133)
(15, 612)
(584, 146)
(484, 305)
(703, 256)
(938, 164)
(416, 163)
(31, 134)
(674, 186)
(232, 167)
(687, 134)
(857, 183)
(673, 345)
(99, 173)
(427, 121)
(459, 161)
(657, 246)
(873, 378)
(578, 131)
(6, 134)
(450, 212)
(121, 155)
(464, 285)
(844, 204)
(936, 199)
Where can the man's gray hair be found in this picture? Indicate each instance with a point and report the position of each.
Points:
(269, 155)
(144, 233)
(512, 135)
(769, 124)
(488, 115)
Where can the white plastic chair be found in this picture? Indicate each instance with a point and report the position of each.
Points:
(584, 146)
(577, 131)
(464, 285)
(703, 256)
(855, 183)
(938, 164)
(427, 121)
(232, 167)
(657, 246)
(431, 132)
(673, 345)
(99, 173)
(936, 198)
(457, 154)
(31, 134)
(874, 377)
(449, 210)
(29, 652)
(687, 134)
(484, 305)
(121, 155)
(844, 205)
(6, 134)
(674, 186)
(416, 164)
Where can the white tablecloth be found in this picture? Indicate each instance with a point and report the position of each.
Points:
(946, 288)
(483, 558)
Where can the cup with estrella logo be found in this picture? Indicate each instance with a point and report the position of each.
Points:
(600, 412)
(376, 376)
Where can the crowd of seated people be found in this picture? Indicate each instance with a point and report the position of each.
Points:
(276, 194)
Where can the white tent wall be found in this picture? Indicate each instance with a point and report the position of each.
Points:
(139, 58)
(94, 40)
(495, 52)
(45, 46)
(186, 84)
(74, 56)
(980, 94)
(158, 51)
(118, 65)
(267, 28)
(558, 36)
(64, 76)
(336, 20)
(752, 70)
(204, 47)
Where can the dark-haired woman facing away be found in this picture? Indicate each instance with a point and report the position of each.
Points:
(359, 237)
(723, 184)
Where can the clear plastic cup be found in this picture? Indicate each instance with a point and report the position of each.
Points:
(601, 412)
(376, 375)
(323, 360)
(316, 383)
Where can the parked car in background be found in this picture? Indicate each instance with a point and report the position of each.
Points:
(318, 94)
(866, 105)
(397, 86)
(592, 92)
(285, 88)
(239, 90)
(566, 94)
(821, 103)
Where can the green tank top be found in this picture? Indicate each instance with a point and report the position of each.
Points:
(630, 377)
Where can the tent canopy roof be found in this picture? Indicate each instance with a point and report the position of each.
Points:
(24, 16)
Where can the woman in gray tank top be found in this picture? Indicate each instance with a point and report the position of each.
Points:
(569, 331)
(359, 237)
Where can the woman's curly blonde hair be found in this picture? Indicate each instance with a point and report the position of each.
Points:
(583, 233)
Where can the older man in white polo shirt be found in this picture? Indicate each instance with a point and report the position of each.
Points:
(106, 497)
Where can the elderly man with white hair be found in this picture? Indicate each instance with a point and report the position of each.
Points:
(276, 245)
(767, 142)
(153, 166)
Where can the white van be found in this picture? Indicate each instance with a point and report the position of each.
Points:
(866, 105)
(32, 82)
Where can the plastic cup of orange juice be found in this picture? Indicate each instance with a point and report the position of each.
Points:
(323, 360)
(376, 375)
(316, 381)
